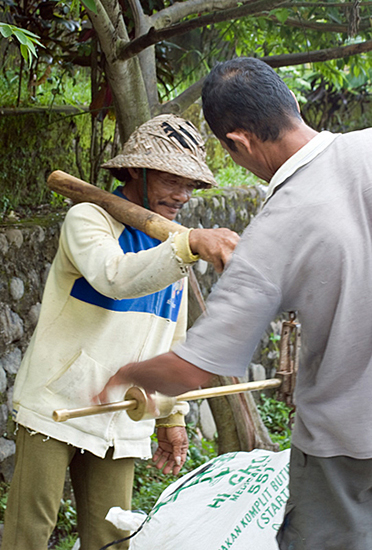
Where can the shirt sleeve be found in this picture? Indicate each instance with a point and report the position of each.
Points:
(89, 242)
(238, 311)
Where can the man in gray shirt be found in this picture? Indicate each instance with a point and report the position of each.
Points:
(310, 251)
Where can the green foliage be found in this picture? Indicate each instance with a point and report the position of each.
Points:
(233, 175)
(66, 543)
(300, 27)
(26, 39)
(149, 482)
(5, 205)
(274, 337)
(303, 28)
(65, 532)
(67, 520)
(281, 14)
(52, 87)
(57, 201)
(4, 488)
(34, 145)
(276, 417)
(31, 148)
(330, 93)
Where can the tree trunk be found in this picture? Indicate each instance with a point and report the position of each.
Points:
(125, 77)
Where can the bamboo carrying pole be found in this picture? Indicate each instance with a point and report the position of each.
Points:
(141, 400)
(124, 211)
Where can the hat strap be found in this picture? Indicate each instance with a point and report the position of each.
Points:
(145, 194)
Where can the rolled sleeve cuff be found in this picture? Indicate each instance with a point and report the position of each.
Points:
(182, 247)
(176, 418)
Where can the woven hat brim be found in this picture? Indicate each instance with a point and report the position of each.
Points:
(179, 165)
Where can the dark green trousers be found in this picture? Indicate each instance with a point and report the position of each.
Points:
(37, 488)
(329, 505)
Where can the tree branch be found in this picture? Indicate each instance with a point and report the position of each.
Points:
(317, 55)
(113, 10)
(103, 26)
(141, 21)
(322, 27)
(189, 96)
(174, 13)
(63, 109)
(126, 51)
(146, 57)
(125, 78)
(324, 4)
(180, 103)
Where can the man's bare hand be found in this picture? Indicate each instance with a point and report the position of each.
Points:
(172, 448)
(214, 245)
(118, 379)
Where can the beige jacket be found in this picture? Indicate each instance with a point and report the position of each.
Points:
(79, 344)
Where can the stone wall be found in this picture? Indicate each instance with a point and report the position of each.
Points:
(27, 249)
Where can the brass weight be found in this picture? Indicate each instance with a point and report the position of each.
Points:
(159, 406)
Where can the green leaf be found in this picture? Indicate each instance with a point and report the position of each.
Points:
(6, 30)
(29, 33)
(281, 14)
(90, 4)
(22, 38)
(26, 43)
(25, 53)
(31, 47)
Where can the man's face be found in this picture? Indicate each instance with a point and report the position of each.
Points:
(167, 193)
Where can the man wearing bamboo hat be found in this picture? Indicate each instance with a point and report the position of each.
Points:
(113, 295)
(161, 163)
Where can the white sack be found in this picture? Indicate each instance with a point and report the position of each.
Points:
(125, 519)
(236, 501)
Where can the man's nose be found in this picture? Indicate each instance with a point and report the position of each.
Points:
(181, 193)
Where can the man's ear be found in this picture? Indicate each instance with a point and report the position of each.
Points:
(241, 138)
(295, 98)
(135, 173)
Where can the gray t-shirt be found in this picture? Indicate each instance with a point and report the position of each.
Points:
(310, 251)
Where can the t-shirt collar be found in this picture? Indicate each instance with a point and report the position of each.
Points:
(306, 154)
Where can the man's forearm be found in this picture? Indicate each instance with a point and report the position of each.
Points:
(167, 373)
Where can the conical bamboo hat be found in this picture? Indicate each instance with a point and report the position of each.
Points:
(170, 144)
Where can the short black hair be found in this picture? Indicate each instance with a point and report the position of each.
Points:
(245, 93)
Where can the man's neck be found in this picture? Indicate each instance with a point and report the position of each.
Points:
(278, 152)
(131, 192)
